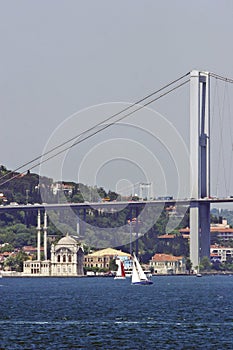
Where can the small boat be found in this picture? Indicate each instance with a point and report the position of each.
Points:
(128, 272)
(198, 274)
(120, 275)
(138, 276)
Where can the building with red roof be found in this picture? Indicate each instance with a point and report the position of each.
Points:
(166, 264)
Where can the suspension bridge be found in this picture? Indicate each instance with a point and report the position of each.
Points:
(200, 170)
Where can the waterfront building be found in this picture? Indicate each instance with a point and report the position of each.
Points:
(220, 253)
(102, 258)
(66, 260)
(66, 256)
(166, 264)
(223, 231)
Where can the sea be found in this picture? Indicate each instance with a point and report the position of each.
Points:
(176, 312)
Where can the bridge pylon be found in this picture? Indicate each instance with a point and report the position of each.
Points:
(200, 165)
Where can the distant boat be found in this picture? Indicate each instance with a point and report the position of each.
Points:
(128, 272)
(120, 275)
(198, 274)
(138, 275)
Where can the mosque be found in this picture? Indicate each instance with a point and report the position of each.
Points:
(67, 256)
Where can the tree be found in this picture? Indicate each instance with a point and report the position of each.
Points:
(205, 264)
(15, 263)
(7, 248)
(112, 195)
(189, 265)
(112, 265)
(102, 193)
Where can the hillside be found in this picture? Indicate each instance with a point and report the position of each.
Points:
(102, 229)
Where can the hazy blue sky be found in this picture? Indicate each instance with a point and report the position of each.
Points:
(61, 56)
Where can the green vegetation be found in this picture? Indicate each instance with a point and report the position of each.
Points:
(15, 263)
(207, 266)
(19, 228)
(102, 228)
(189, 265)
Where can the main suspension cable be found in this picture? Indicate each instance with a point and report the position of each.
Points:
(105, 126)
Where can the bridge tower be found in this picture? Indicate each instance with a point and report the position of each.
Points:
(200, 165)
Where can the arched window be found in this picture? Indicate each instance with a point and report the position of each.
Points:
(64, 258)
(58, 258)
(69, 258)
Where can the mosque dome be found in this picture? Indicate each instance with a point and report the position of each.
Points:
(67, 240)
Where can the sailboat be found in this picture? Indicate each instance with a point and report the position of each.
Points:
(120, 275)
(138, 275)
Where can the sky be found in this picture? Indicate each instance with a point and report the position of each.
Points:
(66, 65)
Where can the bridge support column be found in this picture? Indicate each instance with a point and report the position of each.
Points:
(204, 213)
(199, 232)
(200, 166)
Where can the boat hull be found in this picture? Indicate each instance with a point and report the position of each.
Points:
(143, 283)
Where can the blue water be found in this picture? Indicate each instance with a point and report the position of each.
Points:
(176, 312)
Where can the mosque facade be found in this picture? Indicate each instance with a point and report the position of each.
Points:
(67, 258)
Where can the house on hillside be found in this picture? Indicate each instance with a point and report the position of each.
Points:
(167, 264)
(220, 253)
(223, 231)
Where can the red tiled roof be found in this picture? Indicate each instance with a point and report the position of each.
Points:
(166, 257)
(218, 246)
(212, 229)
(214, 254)
(29, 248)
(166, 236)
(221, 229)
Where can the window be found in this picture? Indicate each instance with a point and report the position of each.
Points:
(64, 258)
(58, 258)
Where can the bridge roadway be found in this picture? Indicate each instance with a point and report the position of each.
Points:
(110, 205)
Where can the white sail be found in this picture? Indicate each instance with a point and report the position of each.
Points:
(138, 275)
(141, 273)
(135, 274)
(120, 271)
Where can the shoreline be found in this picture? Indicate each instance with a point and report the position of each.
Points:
(20, 275)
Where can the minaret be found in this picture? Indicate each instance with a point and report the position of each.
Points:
(45, 236)
(38, 235)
